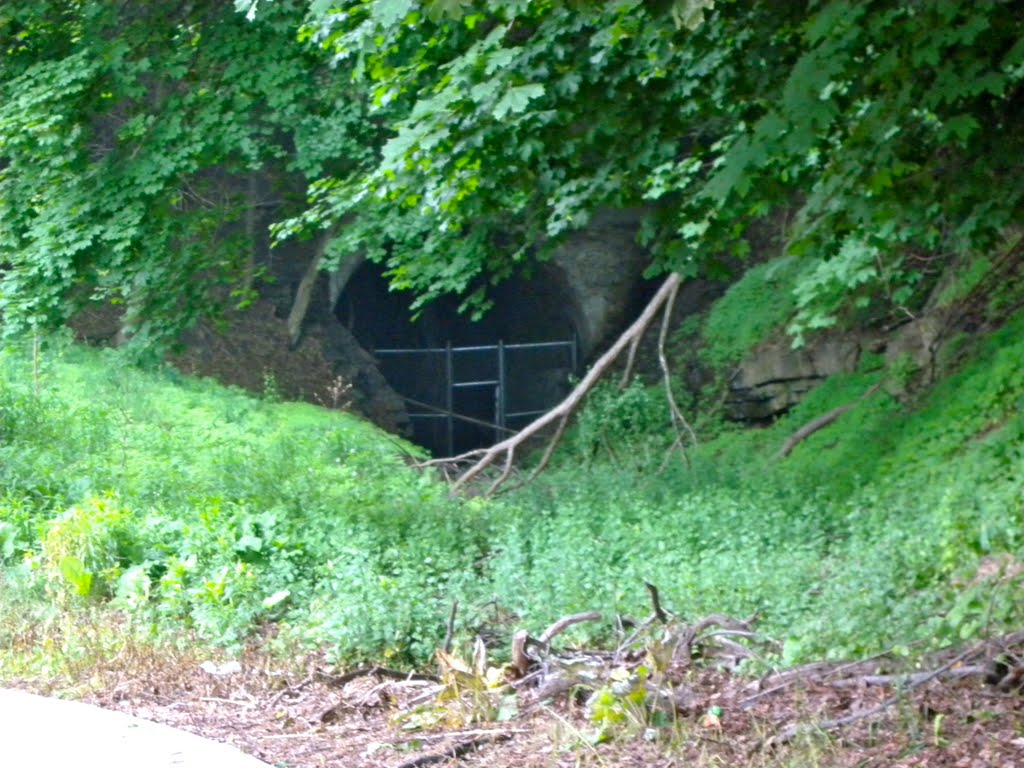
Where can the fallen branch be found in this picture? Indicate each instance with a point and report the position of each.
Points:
(552, 443)
(695, 634)
(678, 419)
(861, 672)
(564, 623)
(421, 737)
(659, 612)
(787, 734)
(449, 634)
(821, 422)
(522, 641)
(913, 679)
(485, 457)
(338, 681)
(290, 690)
(520, 661)
(457, 750)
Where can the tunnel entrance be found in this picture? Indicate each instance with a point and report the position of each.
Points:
(467, 383)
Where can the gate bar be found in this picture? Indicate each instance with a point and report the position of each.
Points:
(449, 376)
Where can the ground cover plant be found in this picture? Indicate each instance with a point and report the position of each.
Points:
(149, 521)
(849, 167)
(181, 503)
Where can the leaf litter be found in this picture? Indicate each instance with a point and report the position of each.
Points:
(673, 696)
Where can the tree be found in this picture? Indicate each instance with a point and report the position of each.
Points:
(137, 140)
(886, 125)
(456, 141)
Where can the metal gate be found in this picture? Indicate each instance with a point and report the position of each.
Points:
(479, 369)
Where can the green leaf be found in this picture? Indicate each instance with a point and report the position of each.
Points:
(77, 575)
(389, 12)
(453, 9)
(516, 99)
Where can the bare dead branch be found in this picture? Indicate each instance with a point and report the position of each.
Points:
(458, 750)
(376, 671)
(549, 450)
(520, 661)
(484, 457)
(510, 455)
(627, 372)
(973, 670)
(821, 422)
(450, 630)
(564, 623)
(290, 690)
(678, 419)
(659, 612)
(787, 734)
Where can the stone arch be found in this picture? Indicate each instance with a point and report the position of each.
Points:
(525, 311)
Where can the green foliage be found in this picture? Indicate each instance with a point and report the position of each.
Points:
(457, 141)
(621, 706)
(755, 306)
(240, 510)
(82, 552)
(868, 535)
(513, 122)
(128, 136)
(635, 416)
(189, 507)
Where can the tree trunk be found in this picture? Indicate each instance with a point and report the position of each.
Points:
(304, 293)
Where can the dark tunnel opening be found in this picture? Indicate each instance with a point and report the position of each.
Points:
(446, 362)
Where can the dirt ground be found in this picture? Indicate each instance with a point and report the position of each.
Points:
(843, 715)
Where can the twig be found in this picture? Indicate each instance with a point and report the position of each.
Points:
(974, 670)
(659, 612)
(552, 443)
(450, 631)
(520, 660)
(509, 457)
(523, 682)
(289, 689)
(786, 735)
(457, 750)
(624, 645)
(678, 419)
(394, 674)
(454, 734)
(692, 635)
(564, 623)
(233, 702)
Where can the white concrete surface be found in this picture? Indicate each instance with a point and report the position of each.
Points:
(50, 733)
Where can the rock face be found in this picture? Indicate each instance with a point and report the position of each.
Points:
(603, 265)
(775, 377)
(918, 341)
(591, 287)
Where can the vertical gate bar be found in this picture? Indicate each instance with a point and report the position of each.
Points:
(449, 400)
(499, 395)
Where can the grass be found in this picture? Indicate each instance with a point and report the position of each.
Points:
(182, 509)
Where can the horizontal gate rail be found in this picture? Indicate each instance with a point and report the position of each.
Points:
(500, 384)
(480, 348)
(441, 413)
